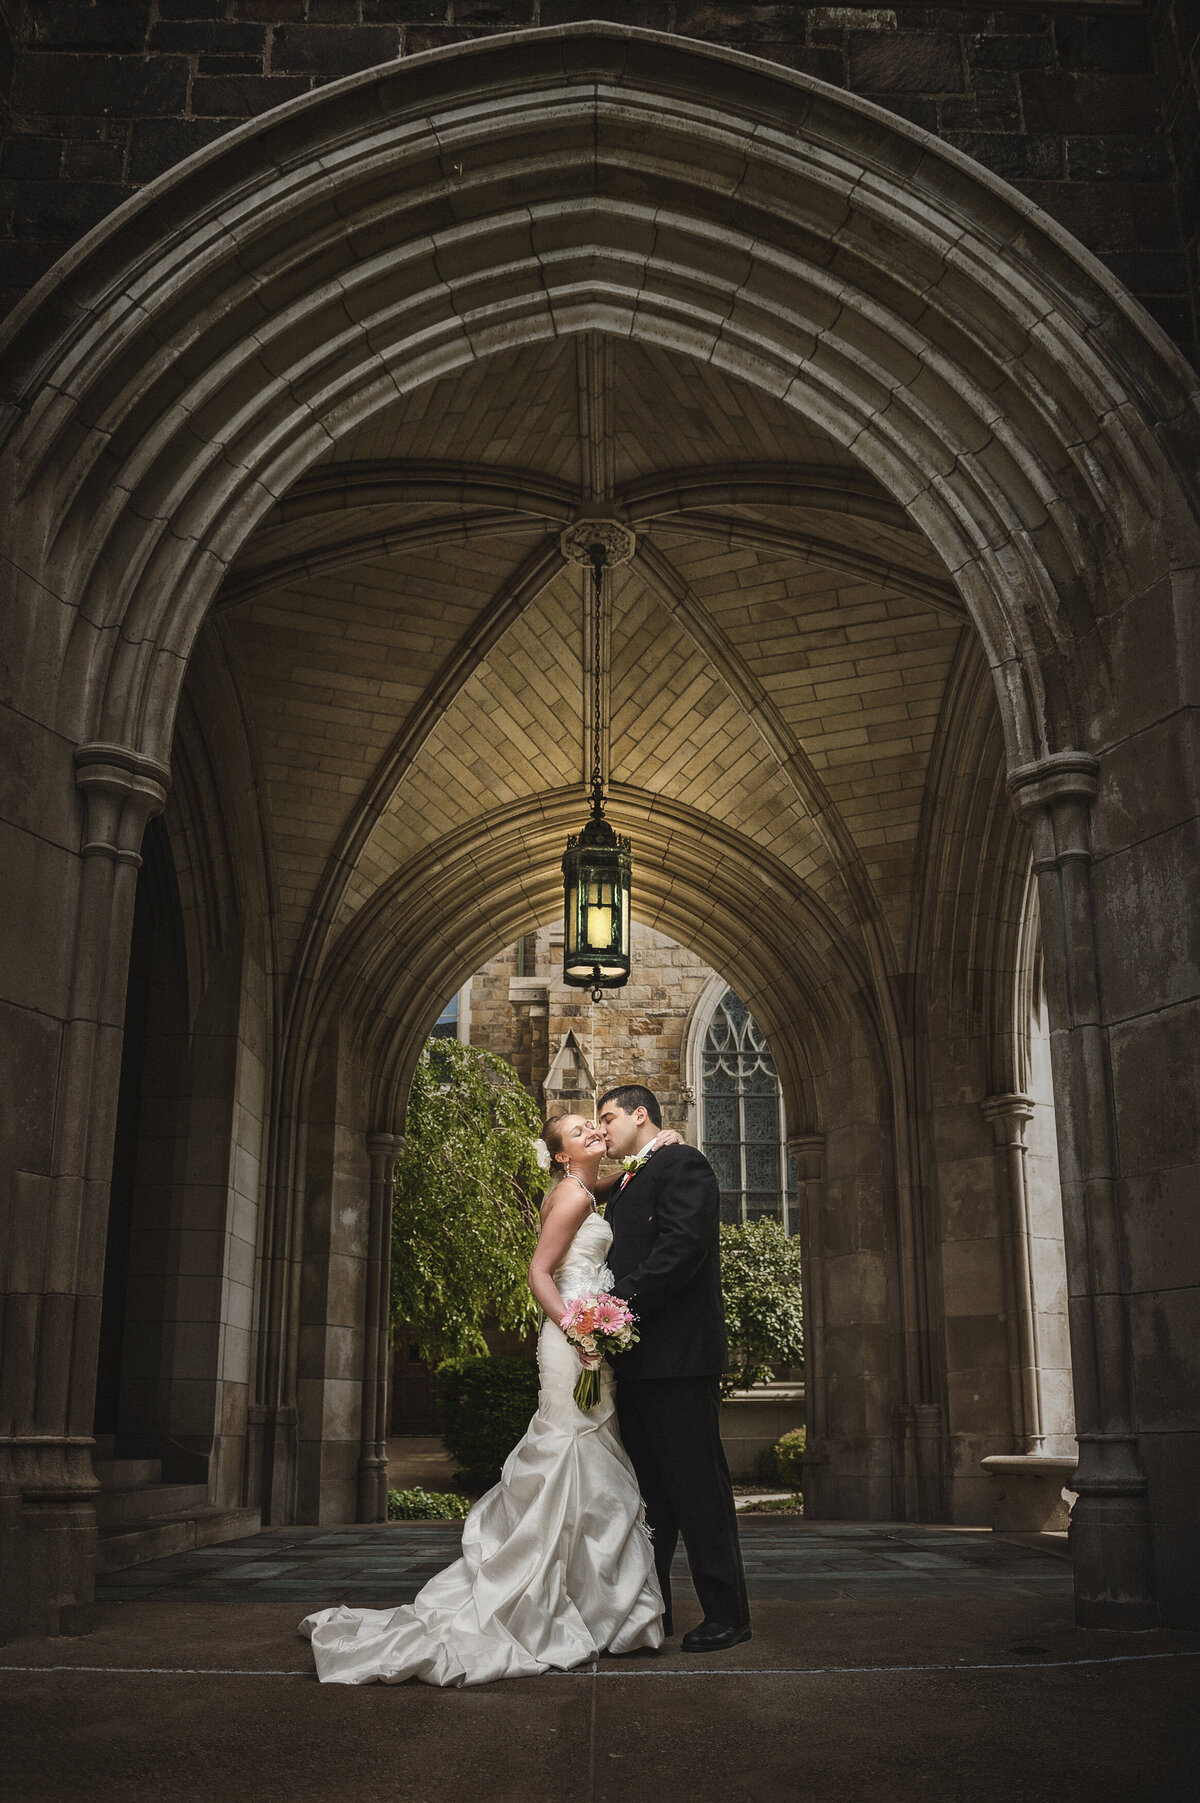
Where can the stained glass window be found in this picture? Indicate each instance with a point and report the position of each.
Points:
(743, 1117)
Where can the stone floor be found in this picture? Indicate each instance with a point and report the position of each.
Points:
(784, 1560)
(888, 1662)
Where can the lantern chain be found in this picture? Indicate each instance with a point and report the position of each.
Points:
(598, 556)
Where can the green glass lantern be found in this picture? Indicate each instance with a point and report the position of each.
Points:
(596, 868)
(597, 862)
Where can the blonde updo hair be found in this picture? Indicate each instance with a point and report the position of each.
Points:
(552, 1137)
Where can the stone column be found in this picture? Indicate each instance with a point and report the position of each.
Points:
(1009, 1117)
(807, 1153)
(384, 1149)
(56, 1275)
(1110, 1526)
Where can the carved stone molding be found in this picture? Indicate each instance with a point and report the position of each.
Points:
(123, 790)
(618, 540)
(1054, 798)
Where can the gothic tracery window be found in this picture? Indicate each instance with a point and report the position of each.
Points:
(743, 1126)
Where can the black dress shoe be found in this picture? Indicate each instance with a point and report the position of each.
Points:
(712, 1637)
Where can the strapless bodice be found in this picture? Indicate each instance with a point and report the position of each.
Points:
(583, 1271)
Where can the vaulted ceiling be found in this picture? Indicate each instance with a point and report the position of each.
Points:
(407, 642)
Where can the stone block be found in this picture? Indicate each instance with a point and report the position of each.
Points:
(909, 62)
(1110, 216)
(1156, 1078)
(244, 96)
(30, 159)
(1150, 783)
(1109, 42)
(1028, 1495)
(1058, 100)
(1149, 938)
(1117, 158)
(401, 12)
(329, 50)
(117, 87)
(109, 25)
(972, 1277)
(654, 16)
(194, 37)
(1165, 1335)
(1006, 51)
(1017, 156)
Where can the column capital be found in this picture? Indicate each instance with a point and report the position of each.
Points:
(123, 791)
(1061, 776)
(385, 1145)
(1054, 798)
(799, 1143)
(1009, 1116)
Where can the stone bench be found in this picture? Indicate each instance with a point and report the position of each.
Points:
(1032, 1494)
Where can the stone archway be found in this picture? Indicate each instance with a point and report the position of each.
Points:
(179, 394)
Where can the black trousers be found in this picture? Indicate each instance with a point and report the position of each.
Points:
(671, 1430)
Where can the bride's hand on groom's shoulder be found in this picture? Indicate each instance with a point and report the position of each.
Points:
(670, 1138)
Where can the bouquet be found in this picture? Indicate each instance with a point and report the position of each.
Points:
(596, 1325)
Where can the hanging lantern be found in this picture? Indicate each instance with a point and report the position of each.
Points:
(597, 861)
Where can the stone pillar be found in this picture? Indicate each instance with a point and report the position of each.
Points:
(1110, 1525)
(56, 1275)
(807, 1153)
(384, 1149)
(1009, 1117)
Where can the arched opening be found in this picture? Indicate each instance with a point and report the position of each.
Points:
(327, 452)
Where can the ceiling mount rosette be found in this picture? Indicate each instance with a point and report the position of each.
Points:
(618, 540)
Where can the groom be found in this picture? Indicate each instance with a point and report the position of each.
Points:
(666, 1263)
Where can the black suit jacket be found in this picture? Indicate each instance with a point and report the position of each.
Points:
(666, 1262)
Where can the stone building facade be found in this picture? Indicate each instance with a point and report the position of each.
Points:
(871, 325)
(519, 1007)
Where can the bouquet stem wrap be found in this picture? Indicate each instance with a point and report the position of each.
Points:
(596, 1325)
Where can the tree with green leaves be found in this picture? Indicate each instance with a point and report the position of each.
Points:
(760, 1282)
(465, 1219)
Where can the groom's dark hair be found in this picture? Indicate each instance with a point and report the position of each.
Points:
(633, 1095)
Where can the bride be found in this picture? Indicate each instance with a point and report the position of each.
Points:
(556, 1562)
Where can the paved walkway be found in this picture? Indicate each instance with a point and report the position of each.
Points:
(786, 1560)
(888, 1664)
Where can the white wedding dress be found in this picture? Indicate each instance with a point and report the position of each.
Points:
(556, 1560)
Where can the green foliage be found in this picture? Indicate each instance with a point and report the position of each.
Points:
(486, 1404)
(789, 1457)
(465, 1219)
(760, 1280)
(426, 1505)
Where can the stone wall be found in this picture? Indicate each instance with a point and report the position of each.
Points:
(636, 1034)
(1063, 100)
(1175, 34)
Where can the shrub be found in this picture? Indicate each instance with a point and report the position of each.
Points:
(426, 1505)
(486, 1404)
(760, 1283)
(766, 1471)
(789, 1457)
(464, 1219)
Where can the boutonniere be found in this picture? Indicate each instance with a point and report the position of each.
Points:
(635, 1162)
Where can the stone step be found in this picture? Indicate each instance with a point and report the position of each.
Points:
(119, 1548)
(129, 1508)
(127, 1474)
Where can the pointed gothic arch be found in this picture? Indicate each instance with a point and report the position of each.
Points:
(195, 358)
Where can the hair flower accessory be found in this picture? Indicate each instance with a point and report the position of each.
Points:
(541, 1152)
